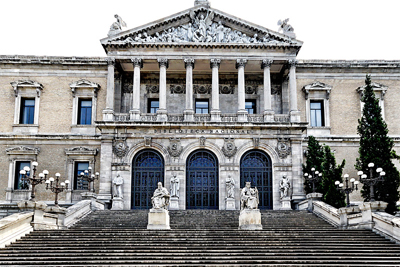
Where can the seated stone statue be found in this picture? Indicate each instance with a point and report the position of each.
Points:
(249, 197)
(160, 199)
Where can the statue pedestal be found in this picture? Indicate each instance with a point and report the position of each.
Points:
(250, 219)
(117, 203)
(230, 203)
(286, 203)
(174, 203)
(88, 196)
(158, 219)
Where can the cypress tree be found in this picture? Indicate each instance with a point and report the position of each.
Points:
(377, 147)
(330, 174)
(314, 159)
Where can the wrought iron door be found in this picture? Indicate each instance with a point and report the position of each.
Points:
(256, 167)
(202, 180)
(147, 171)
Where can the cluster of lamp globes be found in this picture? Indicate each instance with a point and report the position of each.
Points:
(315, 172)
(43, 176)
(362, 176)
(88, 172)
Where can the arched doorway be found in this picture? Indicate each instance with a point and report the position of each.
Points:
(147, 171)
(202, 180)
(256, 167)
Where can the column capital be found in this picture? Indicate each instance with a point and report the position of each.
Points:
(189, 62)
(266, 63)
(137, 62)
(110, 61)
(241, 62)
(292, 62)
(215, 63)
(163, 62)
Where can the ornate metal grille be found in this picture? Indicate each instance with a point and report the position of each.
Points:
(147, 171)
(202, 180)
(256, 167)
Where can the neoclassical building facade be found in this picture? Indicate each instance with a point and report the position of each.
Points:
(200, 97)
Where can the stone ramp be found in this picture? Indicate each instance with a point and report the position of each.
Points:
(201, 238)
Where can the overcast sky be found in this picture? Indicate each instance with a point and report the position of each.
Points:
(330, 29)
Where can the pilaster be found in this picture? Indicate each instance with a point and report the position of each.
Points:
(294, 112)
(108, 113)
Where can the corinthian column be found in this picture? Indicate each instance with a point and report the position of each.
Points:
(108, 113)
(135, 112)
(268, 112)
(294, 113)
(162, 110)
(215, 111)
(189, 112)
(242, 112)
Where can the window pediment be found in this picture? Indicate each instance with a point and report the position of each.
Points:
(377, 87)
(27, 84)
(80, 150)
(23, 150)
(84, 84)
(317, 87)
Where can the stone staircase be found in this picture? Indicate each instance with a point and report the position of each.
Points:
(201, 238)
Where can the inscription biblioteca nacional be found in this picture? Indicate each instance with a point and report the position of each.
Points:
(203, 131)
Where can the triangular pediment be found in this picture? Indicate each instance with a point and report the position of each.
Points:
(199, 26)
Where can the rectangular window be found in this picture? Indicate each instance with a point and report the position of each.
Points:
(250, 106)
(317, 114)
(85, 112)
(153, 106)
(79, 183)
(27, 114)
(201, 106)
(19, 183)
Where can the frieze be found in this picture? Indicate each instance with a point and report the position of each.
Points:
(226, 89)
(202, 131)
(229, 149)
(175, 148)
(152, 89)
(177, 89)
(202, 89)
(120, 147)
(251, 90)
(283, 148)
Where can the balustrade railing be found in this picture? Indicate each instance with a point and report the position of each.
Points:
(202, 117)
(225, 117)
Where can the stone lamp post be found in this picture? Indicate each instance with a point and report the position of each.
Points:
(56, 187)
(32, 180)
(347, 190)
(371, 181)
(89, 177)
(313, 178)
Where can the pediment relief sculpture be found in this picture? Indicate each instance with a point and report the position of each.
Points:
(203, 27)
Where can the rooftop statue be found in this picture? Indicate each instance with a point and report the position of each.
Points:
(116, 27)
(286, 28)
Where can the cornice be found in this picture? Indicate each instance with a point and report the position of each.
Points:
(50, 60)
(348, 64)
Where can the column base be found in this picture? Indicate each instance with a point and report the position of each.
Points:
(269, 116)
(158, 219)
(230, 204)
(215, 115)
(108, 115)
(188, 115)
(162, 115)
(295, 116)
(242, 115)
(134, 115)
(250, 219)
